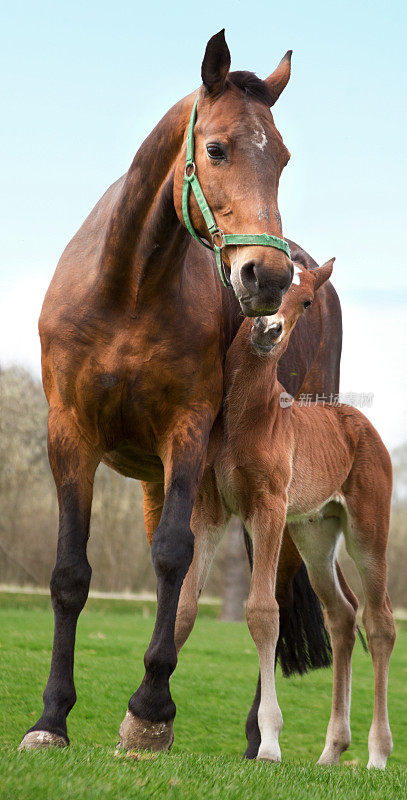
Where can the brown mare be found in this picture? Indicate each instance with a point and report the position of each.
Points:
(134, 330)
(324, 470)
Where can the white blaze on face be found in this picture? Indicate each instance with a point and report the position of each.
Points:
(259, 138)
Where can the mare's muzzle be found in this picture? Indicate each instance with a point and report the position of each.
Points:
(263, 289)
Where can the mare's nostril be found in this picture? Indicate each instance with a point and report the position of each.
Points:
(248, 276)
(286, 280)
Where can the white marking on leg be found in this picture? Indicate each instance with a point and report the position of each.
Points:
(270, 717)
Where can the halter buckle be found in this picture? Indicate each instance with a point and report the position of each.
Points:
(218, 236)
(190, 170)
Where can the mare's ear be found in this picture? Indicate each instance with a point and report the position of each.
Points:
(278, 79)
(323, 273)
(216, 63)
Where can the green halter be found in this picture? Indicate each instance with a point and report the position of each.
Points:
(219, 239)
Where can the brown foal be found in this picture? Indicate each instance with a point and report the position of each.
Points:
(325, 471)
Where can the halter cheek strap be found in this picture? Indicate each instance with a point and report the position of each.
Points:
(219, 238)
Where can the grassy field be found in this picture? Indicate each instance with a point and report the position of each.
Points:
(212, 687)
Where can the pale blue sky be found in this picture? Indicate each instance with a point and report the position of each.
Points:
(84, 83)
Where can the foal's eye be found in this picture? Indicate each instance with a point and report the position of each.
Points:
(307, 303)
(216, 152)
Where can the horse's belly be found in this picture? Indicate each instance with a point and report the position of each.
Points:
(134, 463)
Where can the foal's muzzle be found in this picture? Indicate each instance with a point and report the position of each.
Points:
(266, 334)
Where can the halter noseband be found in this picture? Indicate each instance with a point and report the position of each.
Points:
(219, 238)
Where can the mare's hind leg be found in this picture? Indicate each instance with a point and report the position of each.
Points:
(73, 464)
(366, 539)
(317, 540)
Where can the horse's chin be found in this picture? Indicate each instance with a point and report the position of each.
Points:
(250, 309)
(263, 349)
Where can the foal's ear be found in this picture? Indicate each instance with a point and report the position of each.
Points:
(216, 63)
(323, 273)
(278, 79)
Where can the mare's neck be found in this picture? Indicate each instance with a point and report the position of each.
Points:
(144, 233)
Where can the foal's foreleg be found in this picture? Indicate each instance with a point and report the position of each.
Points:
(263, 618)
(289, 563)
(149, 720)
(73, 464)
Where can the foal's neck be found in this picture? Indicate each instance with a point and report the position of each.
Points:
(251, 383)
(144, 229)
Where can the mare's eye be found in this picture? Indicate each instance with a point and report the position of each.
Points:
(307, 303)
(216, 152)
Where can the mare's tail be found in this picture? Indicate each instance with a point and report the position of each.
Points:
(303, 643)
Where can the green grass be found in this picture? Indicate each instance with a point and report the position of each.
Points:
(212, 687)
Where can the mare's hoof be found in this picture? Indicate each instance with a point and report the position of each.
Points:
(141, 734)
(251, 752)
(39, 740)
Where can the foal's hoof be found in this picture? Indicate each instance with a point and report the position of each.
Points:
(39, 740)
(377, 762)
(141, 734)
(271, 754)
(328, 759)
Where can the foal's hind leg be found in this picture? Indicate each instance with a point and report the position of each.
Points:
(73, 465)
(208, 524)
(317, 542)
(366, 539)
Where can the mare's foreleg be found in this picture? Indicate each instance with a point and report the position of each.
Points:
(73, 463)
(148, 723)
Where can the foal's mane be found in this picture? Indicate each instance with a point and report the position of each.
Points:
(251, 85)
